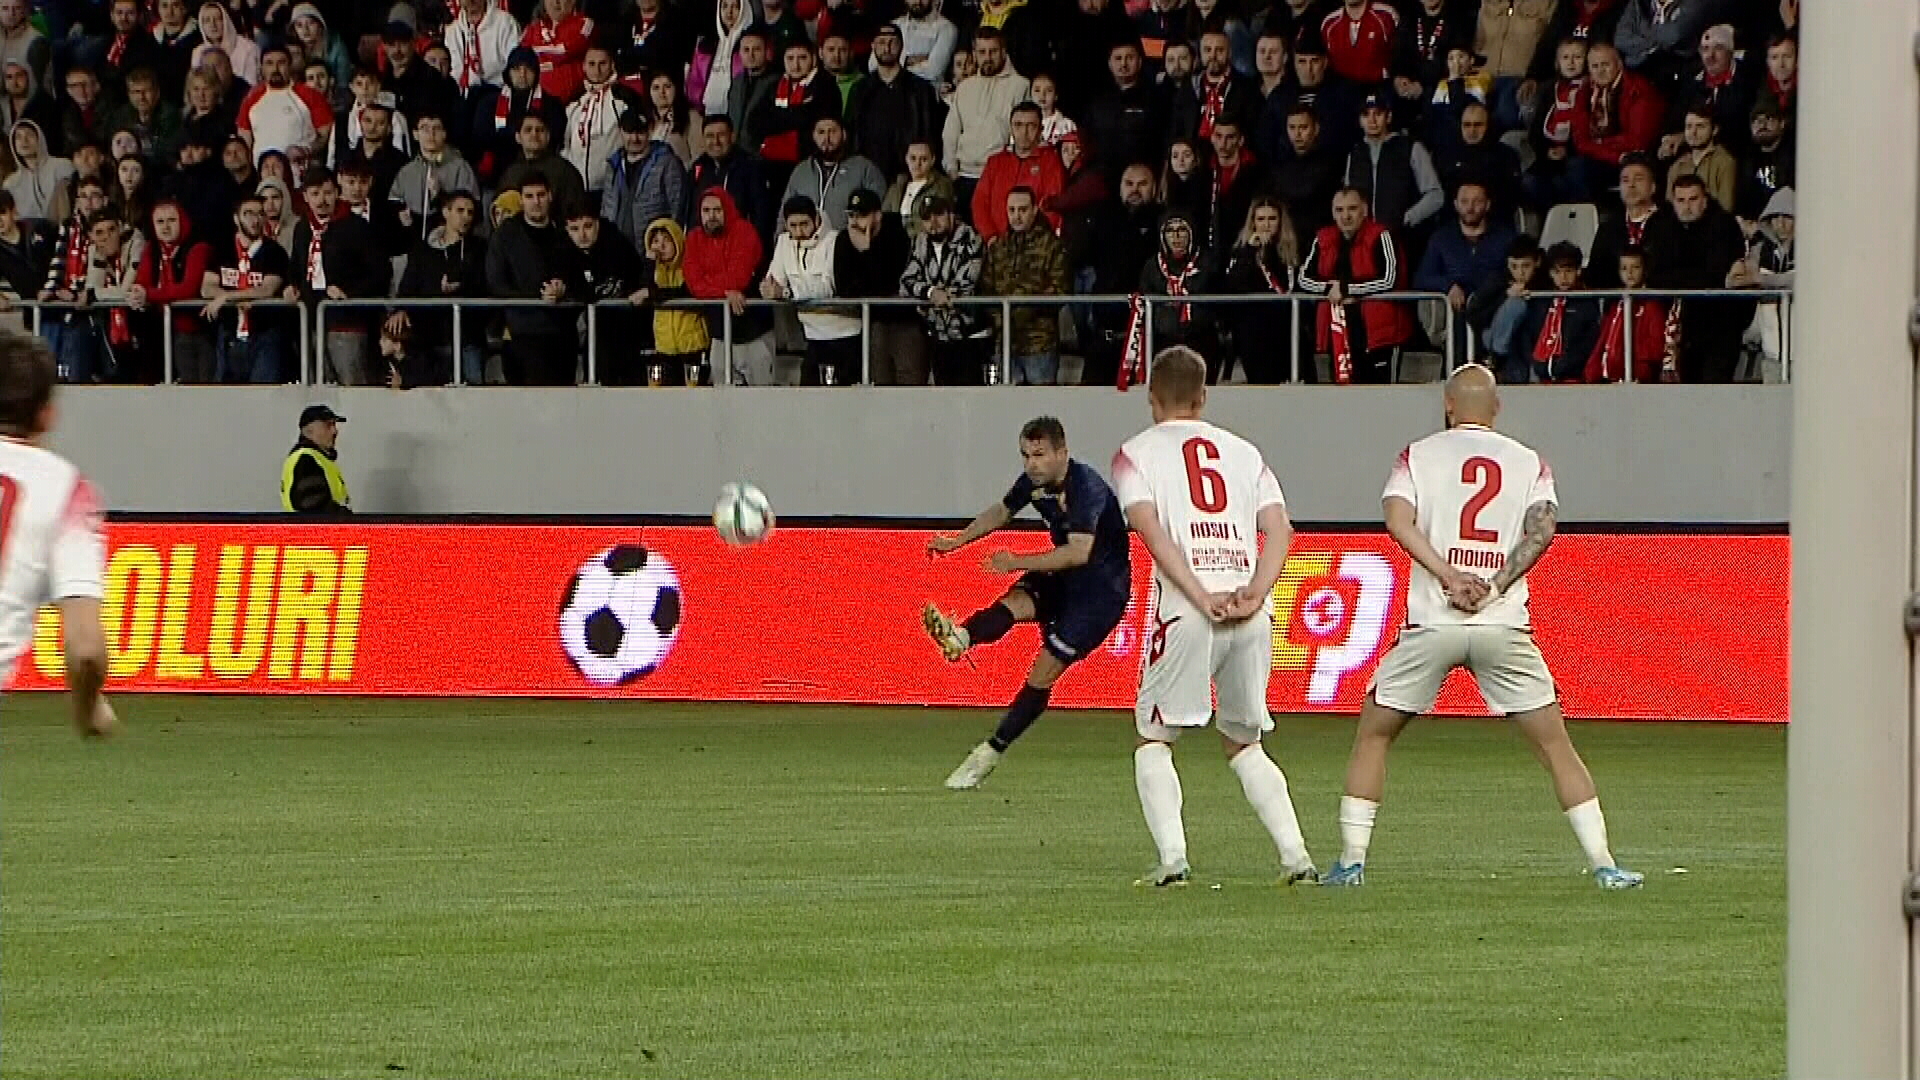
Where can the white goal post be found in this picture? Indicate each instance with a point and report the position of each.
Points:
(1850, 771)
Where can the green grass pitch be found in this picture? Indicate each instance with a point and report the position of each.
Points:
(370, 888)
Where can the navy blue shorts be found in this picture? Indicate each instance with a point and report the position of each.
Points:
(1074, 621)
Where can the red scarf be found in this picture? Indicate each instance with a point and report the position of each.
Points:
(1340, 345)
(1715, 82)
(591, 102)
(470, 70)
(119, 329)
(242, 271)
(1552, 341)
(118, 50)
(1600, 107)
(1223, 178)
(1637, 229)
(1133, 358)
(503, 105)
(1273, 283)
(316, 267)
(1213, 102)
(1177, 282)
(787, 94)
(75, 257)
(1782, 93)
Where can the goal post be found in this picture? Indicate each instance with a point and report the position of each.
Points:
(1850, 769)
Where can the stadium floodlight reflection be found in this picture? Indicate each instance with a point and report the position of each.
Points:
(1851, 953)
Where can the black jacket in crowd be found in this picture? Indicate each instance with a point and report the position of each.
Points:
(885, 118)
(433, 261)
(877, 270)
(1128, 127)
(520, 259)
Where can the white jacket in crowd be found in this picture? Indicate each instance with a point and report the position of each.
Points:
(494, 37)
(593, 134)
(806, 272)
(979, 120)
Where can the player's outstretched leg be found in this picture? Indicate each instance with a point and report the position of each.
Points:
(983, 627)
(1366, 784)
(1026, 707)
(1546, 732)
(1160, 800)
(1265, 786)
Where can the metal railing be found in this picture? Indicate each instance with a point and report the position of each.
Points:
(37, 310)
(313, 320)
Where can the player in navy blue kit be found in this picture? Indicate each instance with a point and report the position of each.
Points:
(1077, 592)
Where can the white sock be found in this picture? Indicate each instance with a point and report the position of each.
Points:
(1159, 787)
(1356, 827)
(1266, 788)
(1590, 827)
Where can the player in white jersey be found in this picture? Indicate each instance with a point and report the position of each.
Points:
(1200, 496)
(1475, 510)
(51, 549)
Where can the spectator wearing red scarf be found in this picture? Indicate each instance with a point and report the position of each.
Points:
(1783, 72)
(170, 272)
(784, 119)
(1725, 83)
(131, 48)
(1648, 330)
(559, 37)
(1618, 113)
(1217, 93)
(1351, 260)
(1557, 336)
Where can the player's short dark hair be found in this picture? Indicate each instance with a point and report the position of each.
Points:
(1690, 180)
(1025, 107)
(533, 179)
(799, 204)
(1178, 377)
(27, 378)
(1046, 429)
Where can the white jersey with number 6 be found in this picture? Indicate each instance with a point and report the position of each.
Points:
(51, 547)
(1470, 487)
(1207, 486)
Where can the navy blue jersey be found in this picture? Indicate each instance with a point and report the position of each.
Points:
(1082, 503)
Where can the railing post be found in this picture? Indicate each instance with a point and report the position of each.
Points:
(593, 345)
(459, 357)
(1786, 341)
(1448, 352)
(306, 345)
(1293, 345)
(1006, 342)
(166, 345)
(36, 320)
(726, 342)
(1146, 305)
(866, 343)
(1626, 332)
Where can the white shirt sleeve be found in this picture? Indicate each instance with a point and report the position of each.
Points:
(1268, 491)
(1130, 484)
(1542, 490)
(1400, 481)
(77, 564)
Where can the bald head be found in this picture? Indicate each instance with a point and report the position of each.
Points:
(1472, 396)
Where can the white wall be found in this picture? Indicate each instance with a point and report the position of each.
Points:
(1638, 454)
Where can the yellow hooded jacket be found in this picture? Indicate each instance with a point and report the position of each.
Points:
(676, 332)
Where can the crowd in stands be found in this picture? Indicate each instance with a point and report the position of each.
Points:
(240, 159)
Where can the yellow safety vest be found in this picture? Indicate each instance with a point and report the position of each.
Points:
(336, 483)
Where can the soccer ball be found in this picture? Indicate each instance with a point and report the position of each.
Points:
(743, 515)
(620, 615)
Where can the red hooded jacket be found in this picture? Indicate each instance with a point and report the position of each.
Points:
(729, 262)
(1637, 112)
(172, 274)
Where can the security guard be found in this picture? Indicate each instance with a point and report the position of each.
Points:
(310, 479)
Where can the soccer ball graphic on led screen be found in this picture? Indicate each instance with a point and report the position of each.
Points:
(620, 614)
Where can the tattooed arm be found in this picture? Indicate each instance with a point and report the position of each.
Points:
(1536, 533)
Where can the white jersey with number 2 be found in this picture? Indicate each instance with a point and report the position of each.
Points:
(1470, 487)
(51, 546)
(1207, 486)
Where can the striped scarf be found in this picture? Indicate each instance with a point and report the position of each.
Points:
(503, 105)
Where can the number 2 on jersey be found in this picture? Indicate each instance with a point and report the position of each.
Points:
(1485, 472)
(1206, 486)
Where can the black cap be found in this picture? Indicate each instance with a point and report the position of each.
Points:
(634, 122)
(935, 204)
(886, 30)
(1376, 101)
(316, 413)
(396, 31)
(863, 201)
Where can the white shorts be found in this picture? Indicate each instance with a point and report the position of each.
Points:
(1188, 660)
(1505, 662)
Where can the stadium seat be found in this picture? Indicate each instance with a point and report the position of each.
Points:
(1572, 223)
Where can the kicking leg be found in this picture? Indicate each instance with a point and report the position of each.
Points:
(983, 627)
(1546, 731)
(1265, 786)
(1366, 784)
(1026, 707)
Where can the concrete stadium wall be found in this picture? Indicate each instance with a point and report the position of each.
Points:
(1621, 454)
